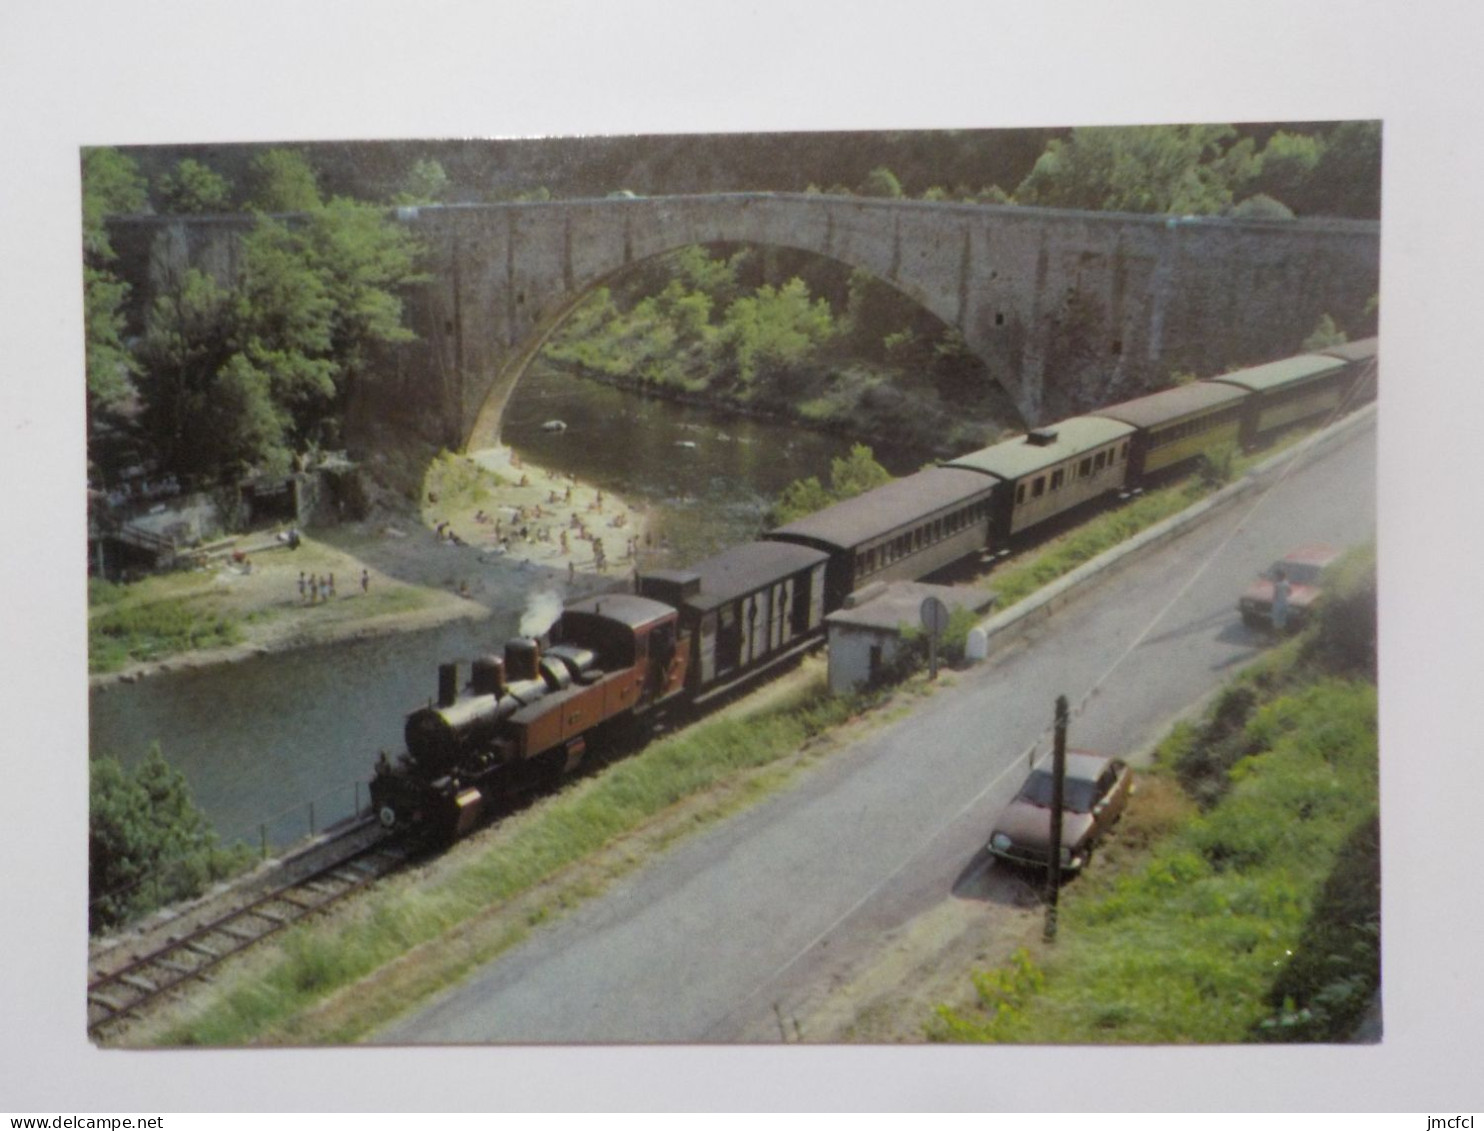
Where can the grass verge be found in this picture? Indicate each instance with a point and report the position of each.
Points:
(123, 633)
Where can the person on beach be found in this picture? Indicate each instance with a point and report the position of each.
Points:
(365, 581)
(301, 585)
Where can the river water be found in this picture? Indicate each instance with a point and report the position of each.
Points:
(261, 739)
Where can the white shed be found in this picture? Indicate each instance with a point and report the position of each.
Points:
(866, 635)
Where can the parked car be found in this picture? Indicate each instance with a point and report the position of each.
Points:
(1304, 569)
(1095, 793)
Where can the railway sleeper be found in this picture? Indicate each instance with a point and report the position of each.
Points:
(174, 967)
(143, 985)
(237, 933)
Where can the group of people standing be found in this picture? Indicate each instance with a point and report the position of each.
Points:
(315, 590)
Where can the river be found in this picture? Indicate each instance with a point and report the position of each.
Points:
(261, 739)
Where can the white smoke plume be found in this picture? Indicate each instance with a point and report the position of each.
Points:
(541, 613)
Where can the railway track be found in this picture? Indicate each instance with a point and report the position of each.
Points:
(123, 992)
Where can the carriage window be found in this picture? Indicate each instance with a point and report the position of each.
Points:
(1020, 494)
(1099, 460)
(1123, 451)
(1084, 469)
(1056, 478)
(1038, 488)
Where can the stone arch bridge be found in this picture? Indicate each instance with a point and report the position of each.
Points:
(1066, 309)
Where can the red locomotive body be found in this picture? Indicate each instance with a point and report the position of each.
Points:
(524, 720)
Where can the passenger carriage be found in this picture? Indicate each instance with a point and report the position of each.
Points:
(905, 530)
(1051, 470)
(1284, 393)
(1178, 425)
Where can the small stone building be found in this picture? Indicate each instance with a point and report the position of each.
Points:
(866, 635)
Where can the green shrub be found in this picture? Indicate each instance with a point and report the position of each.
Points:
(148, 844)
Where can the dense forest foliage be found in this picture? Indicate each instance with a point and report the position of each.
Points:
(230, 377)
(1312, 168)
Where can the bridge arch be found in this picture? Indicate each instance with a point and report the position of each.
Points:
(485, 428)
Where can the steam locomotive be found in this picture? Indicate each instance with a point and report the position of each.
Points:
(527, 718)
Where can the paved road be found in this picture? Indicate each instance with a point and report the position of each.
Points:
(704, 943)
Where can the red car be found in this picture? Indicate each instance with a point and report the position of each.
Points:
(1094, 795)
(1304, 568)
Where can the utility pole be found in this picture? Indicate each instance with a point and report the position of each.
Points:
(1058, 788)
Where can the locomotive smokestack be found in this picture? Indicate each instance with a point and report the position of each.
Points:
(448, 684)
(489, 676)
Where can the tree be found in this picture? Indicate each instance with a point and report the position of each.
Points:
(242, 378)
(188, 338)
(148, 843)
(192, 187)
(881, 181)
(1289, 162)
(1348, 176)
(283, 180)
(1261, 207)
(364, 260)
(801, 498)
(425, 183)
(1164, 169)
(111, 184)
(776, 327)
(1324, 335)
(857, 473)
(110, 363)
(850, 476)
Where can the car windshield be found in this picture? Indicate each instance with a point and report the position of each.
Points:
(1078, 795)
(1299, 573)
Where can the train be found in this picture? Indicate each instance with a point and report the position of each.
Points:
(529, 716)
